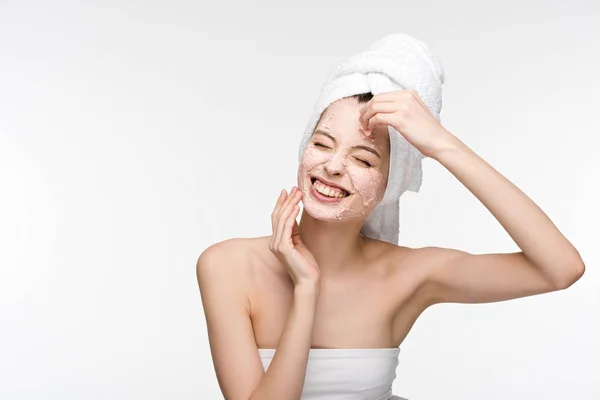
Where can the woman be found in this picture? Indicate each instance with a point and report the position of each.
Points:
(317, 310)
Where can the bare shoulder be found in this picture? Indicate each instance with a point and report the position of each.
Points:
(222, 251)
(430, 256)
(229, 257)
(422, 258)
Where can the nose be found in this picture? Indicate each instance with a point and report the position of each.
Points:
(335, 164)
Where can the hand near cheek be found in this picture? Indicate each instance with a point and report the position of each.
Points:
(405, 111)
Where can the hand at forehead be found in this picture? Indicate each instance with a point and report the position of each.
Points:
(342, 118)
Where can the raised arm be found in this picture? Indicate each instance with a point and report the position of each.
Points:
(548, 261)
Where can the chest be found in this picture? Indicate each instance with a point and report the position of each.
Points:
(374, 311)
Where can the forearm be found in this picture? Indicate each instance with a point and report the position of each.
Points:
(284, 379)
(531, 229)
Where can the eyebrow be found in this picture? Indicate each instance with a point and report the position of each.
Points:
(369, 149)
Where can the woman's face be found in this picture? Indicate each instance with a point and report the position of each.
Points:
(343, 173)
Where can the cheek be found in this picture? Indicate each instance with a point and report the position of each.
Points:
(369, 183)
(311, 158)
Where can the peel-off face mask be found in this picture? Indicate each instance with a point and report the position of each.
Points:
(340, 181)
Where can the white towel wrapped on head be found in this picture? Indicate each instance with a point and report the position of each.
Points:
(394, 62)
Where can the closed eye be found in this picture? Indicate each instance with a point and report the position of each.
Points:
(366, 163)
(363, 162)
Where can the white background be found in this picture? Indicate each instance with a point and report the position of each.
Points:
(134, 134)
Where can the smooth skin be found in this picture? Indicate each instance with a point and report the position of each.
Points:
(315, 285)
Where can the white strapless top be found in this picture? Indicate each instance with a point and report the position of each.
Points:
(347, 374)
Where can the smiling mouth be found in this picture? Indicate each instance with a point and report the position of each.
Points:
(328, 191)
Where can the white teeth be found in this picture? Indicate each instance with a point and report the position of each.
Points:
(326, 191)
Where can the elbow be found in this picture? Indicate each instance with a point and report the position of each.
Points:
(575, 272)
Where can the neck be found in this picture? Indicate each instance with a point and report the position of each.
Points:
(337, 246)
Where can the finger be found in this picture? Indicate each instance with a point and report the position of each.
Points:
(389, 96)
(379, 119)
(289, 224)
(381, 98)
(283, 217)
(281, 198)
(291, 194)
(278, 214)
(375, 108)
(289, 198)
(291, 202)
(361, 118)
(370, 105)
(363, 108)
(280, 201)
